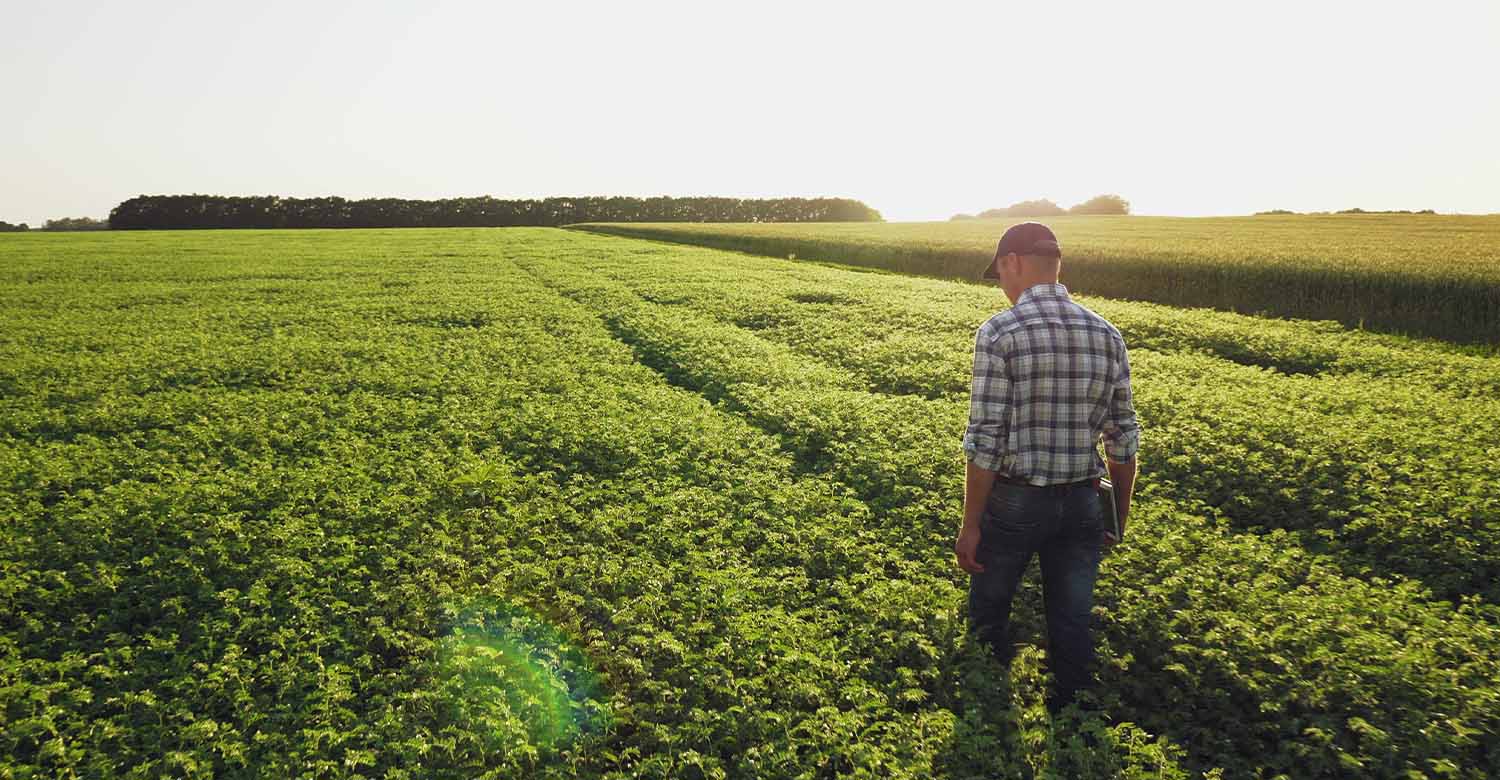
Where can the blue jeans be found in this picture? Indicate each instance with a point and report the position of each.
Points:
(1064, 526)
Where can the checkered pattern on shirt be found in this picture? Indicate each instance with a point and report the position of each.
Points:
(1051, 379)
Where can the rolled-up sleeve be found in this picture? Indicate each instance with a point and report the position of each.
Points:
(989, 406)
(1121, 434)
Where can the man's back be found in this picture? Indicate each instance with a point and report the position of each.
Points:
(1050, 377)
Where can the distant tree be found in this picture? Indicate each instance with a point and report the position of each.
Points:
(1035, 208)
(1102, 204)
(1042, 207)
(6, 227)
(1402, 211)
(76, 223)
(1026, 208)
(1273, 213)
(957, 217)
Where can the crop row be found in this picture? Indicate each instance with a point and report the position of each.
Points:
(377, 522)
(1427, 275)
(1246, 650)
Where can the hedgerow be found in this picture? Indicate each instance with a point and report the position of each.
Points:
(174, 212)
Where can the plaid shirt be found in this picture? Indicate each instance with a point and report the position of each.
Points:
(1050, 379)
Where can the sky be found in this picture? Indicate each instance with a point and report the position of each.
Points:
(922, 110)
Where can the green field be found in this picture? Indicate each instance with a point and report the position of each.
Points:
(1424, 275)
(542, 503)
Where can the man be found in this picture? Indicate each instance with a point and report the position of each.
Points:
(1051, 380)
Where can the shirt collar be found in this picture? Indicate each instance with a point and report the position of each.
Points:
(1044, 291)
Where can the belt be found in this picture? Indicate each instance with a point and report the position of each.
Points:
(1056, 490)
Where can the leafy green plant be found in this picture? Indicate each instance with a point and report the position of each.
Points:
(537, 503)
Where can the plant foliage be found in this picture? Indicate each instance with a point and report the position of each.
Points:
(537, 503)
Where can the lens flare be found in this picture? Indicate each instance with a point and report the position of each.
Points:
(518, 682)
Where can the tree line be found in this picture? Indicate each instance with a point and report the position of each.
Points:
(1356, 210)
(58, 225)
(1099, 204)
(158, 212)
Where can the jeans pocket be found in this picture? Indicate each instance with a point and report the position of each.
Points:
(1009, 513)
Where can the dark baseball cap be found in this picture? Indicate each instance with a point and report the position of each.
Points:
(1025, 238)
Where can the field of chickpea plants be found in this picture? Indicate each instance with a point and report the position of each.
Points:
(544, 503)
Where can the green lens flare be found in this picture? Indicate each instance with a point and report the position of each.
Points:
(517, 681)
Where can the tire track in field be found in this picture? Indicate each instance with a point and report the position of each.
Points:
(813, 455)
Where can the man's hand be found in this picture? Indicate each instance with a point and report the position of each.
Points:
(1108, 538)
(966, 547)
(977, 485)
